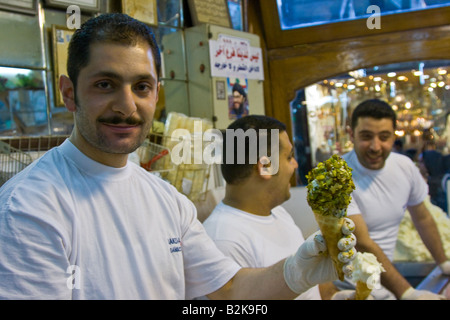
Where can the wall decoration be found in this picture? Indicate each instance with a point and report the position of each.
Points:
(142, 10)
(220, 90)
(23, 6)
(210, 11)
(85, 5)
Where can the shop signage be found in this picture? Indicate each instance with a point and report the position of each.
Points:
(232, 57)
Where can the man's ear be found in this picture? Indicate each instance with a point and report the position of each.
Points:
(264, 167)
(158, 88)
(351, 134)
(68, 92)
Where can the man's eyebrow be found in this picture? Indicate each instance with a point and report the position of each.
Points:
(113, 75)
(377, 133)
(106, 74)
(366, 131)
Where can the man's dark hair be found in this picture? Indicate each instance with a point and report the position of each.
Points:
(233, 172)
(373, 108)
(111, 27)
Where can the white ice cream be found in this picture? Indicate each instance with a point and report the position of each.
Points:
(367, 269)
(410, 246)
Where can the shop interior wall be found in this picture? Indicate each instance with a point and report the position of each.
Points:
(298, 60)
(25, 44)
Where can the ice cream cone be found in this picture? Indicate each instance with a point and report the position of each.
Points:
(329, 187)
(331, 226)
(362, 290)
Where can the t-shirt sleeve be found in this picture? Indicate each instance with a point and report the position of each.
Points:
(34, 263)
(235, 251)
(419, 187)
(206, 268)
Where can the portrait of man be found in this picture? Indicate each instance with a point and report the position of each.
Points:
(238, 99)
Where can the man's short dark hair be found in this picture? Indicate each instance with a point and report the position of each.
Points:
(233, 172)
(373, 108)
(111, 27)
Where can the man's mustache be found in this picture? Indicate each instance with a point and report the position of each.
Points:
(118, 120)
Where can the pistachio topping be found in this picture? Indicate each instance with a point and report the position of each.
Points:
(329, 187)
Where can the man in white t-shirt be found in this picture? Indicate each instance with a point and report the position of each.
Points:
(250, 225)
(386, 184)
(83, 222)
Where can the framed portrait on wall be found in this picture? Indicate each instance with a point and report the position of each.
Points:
(85, 5)
(60, 39)
(23, 6)
(142, 10)
(238, 105)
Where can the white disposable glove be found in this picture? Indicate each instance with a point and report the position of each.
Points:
(347, 295)
(413, 294)
(311, 265)
(445, 268)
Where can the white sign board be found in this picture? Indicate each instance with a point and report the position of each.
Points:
(234, 57)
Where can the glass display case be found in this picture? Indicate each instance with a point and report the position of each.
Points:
(418, 91)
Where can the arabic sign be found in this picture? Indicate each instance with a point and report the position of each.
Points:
(234, 57)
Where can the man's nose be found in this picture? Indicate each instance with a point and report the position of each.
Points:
(375, 145)
(125, 103)
(295, 163)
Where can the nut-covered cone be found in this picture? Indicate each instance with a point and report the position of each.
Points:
(331, 226)
(329, 187)
(362, 291)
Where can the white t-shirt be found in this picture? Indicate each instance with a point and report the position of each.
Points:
(256, 241)
(381, 196)
(72, 228)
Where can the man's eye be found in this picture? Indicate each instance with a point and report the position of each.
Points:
(366, 136)
(103, 85)
(143, 87)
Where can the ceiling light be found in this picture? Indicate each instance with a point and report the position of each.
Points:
(399, 133)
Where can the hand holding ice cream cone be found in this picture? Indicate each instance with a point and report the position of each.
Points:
(327, 254)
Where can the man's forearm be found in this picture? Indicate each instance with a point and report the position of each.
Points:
(256, 284)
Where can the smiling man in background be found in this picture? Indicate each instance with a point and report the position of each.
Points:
(386, 184)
